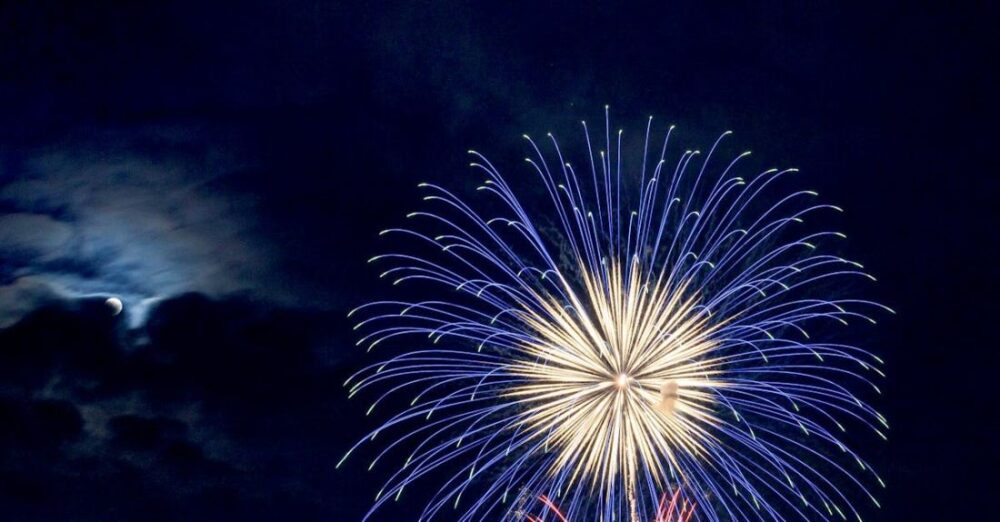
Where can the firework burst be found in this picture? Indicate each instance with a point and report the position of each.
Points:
(611, 347)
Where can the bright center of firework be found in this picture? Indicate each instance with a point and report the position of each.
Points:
(634, 332)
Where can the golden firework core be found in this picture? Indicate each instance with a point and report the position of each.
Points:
(606, 369)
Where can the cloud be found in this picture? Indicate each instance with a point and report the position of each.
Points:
(140, 213)
(22, 296)
(32, 237)
(223, 410)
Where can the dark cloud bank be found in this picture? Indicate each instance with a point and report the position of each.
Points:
(222, 410)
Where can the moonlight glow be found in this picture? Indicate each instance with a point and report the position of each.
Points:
(650, 328)
(114, 304)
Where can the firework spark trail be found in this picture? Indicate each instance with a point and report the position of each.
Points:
(643, 347)
(676, 509)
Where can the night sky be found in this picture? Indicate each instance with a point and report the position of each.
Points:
(225, 171)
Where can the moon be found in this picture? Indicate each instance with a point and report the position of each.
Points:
(114, 304)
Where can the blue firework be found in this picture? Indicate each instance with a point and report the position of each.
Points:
(645, 329)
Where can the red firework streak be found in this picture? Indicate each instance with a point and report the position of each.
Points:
(673, 510)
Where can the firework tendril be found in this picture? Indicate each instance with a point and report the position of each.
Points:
(670, 509)
(647, 328)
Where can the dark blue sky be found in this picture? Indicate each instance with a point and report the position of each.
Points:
(226, 171)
